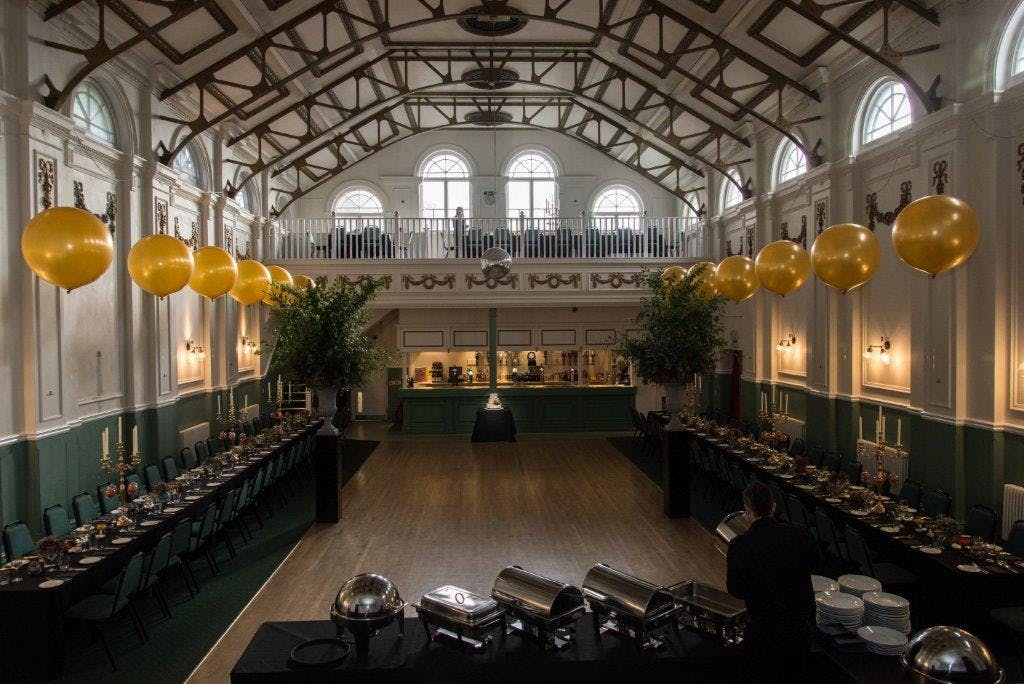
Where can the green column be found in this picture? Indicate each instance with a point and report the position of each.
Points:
(492, 347)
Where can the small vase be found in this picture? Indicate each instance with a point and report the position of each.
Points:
(327, 397)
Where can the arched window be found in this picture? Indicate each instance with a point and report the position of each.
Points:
(185, 164)
(531, 187)
(358, 202)
(689, 213)
(887, 111)
(790, 162)
(444, 185)
(92, 113)
(618, 206)
(245, 202)
(1017, 63)
(731, 194)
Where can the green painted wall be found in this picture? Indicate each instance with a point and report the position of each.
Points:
(38, 473)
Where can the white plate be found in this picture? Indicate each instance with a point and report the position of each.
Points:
(833, 499)
(820, 583)
(149, 523)
(930, 550)
(968, 568)
(837, 601)
(786, 476)
(50, 584)
(859, 513)
(889, 529)
(860, 583)
(883, 636)
(89, 560)
(121, 540)
(193, 498)
(885, 600)
(807, 486)
(172, 510)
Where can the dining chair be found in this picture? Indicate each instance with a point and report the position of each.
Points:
(17, 540)
(1015, 540)
(889, 574)
(227, 509)
(177, 556)
(981, 522)
(831, 545)
(937, 503)
(107, 504)
(853, 469)
(140, 492)
(56, 521)
(151, 473)
(816, 455)
(257, 425)
(202, 452)
(84, 508)
(100, 607)
(780, 501)
(797, 447)
(247, 428)
(171, 470)
(188, 459)
(214, 445)
(831, 461)
(797, 512)
(911, 492)
(156, 562)
(201, 536)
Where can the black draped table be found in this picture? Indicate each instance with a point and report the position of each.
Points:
(31, 617)
(688, 656)
(494, 425)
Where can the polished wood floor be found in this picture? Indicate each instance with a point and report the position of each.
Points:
(434, 511)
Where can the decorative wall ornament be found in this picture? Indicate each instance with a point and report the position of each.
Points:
(247, 254)
(358, 281)
(78, 189)
(939, 176)
(728, 248)
(800, 239)
(889, 216)
(511, 281)
(161, 217)
(1020, 168)
(616, 280)
(192, 241)
(555, 280)
(428, 281)
(750, 242)
(47, 179)
(109, 215)
(820, 216)
(229, 240)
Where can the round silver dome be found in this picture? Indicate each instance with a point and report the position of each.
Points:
(495, 263)
(949, 655)
(367, 597)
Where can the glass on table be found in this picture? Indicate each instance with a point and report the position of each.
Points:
(6, 572)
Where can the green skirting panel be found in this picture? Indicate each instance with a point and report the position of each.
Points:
(445, 410)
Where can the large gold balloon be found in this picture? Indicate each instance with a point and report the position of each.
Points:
(66, 246)
(302, 282)
(160, 264)
(845, 256)
(252, 284)
(782, 266)
(215, 272)
(278, 276)
(673, 274)
(936, 233)
(705, 279)
(736, 278)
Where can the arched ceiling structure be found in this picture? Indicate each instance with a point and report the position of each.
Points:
(662, 86)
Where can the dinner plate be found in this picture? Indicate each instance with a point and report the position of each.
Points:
(968, 568)
(839, 602)
(50, 584)
(860, 513)
(193, 498)
(882, 635)
(930, 550)
(832, 499)
(121, 540)
(786, 476)
(806, 486)
(890, 529)
(820, 583)
(883, 599)
(149, 523)
(172, 510)
(89, 560)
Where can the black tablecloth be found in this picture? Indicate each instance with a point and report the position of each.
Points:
(494, 425)
(31, 618)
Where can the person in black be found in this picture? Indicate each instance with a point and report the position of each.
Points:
(769, 567)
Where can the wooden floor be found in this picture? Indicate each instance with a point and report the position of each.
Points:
(436, 511)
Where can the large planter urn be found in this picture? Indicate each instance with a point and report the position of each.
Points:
(673, 398)
(327, 398)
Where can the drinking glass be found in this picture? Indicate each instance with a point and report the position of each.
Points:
(5, 575)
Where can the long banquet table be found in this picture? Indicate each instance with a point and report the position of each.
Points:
(946, 593)
(31, 623)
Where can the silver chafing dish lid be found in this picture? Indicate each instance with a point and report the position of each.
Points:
(536, 593)
(949, 655)
(367, 597)
(458, 604)
(732, 526)
(626, 593)
(709, 601)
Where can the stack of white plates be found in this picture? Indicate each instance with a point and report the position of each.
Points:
(819, 584)
(887, 610)
(882, 640)
(858, 585)
(837, 608)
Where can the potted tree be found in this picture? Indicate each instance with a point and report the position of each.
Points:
(680, 333)
(318, 339)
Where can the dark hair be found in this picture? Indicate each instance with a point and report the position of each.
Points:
(758, 498)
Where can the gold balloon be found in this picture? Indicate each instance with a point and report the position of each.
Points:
(160, 264)
(845, 256)
(736, 278)
(252, 284)
(782, 266)
(215, 272)
(936, 233)
(67, 247)
(302, 282)
(278, 276)
(706, 287)
(673, 274)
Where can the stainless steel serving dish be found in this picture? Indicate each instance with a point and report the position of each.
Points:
(538, 607)
(456, 614)
(710, 610)
(733, 525)
(629, 606)
(949, 655)
(366, 604)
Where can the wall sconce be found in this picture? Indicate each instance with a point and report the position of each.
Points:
(882, 349)
(195, 349)
(786, 344)
(248, 345)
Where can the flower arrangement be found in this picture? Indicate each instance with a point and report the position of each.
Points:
(160, 489)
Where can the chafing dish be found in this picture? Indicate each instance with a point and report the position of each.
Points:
(630, 606)
(366, 604)
(732, 526)
(710, 610)
(949, 655)
(539, 608)
(451, 613)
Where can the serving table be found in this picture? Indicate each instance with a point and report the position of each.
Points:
(31, 617)
(494, 425)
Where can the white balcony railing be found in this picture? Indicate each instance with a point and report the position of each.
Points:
(586, 237)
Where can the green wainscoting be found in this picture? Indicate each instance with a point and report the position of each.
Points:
(969, 462)
(41, 472)
(444, 410)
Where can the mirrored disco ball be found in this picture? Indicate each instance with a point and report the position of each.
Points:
(495, 263)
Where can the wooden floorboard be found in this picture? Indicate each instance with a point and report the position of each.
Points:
(436, 511)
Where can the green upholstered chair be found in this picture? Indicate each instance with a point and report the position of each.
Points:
(17, 540)
(84, 508)
(56, 521)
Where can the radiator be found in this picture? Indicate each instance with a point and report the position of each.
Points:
(247, 414)
(196, 433)
(791, 426)
(1013, 506)
(890, 461)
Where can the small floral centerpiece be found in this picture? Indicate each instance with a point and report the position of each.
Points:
(945, 531)
(800, 464)
(160, 489)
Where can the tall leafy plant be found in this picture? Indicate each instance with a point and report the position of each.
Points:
(680, 332)
(317, 334)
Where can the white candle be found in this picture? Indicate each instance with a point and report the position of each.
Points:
(135, 439)
(218, 403)
(231, 400)
(245, 397)
(103, 442)
(787, 403)
(899, 431)
(860, 427)
(120, 430)
(877, 433)
(270, 396)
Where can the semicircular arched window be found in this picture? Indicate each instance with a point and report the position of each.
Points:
(792, 162)
(444, 185)
(358, 201)
(617, 206)
(731, 194)
(91, 112)
(1017, 61)
(185, 164)
(887, 111)
(531, 189)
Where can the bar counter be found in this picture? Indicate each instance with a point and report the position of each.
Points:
(536, 408)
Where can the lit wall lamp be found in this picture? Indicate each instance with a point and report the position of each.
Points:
(195, 349)
(786, 344)
(882, 349)
(248, 345)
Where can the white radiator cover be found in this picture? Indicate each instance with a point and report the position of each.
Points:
(197, 433)
(1013, 506)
